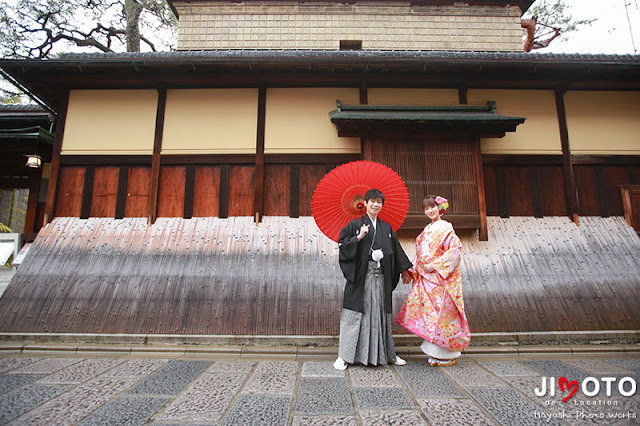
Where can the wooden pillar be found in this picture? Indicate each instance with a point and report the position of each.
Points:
(571, 189)
(294, 190)
(61, 121)
(223, 209)
(482, 202)
(189, 189)
(87, 192)
(121, 197)
(259, 190)
(155, 159)
(462, 95)
(366, 148)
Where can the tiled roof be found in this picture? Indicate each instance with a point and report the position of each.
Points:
(355, 55)
(21, 108)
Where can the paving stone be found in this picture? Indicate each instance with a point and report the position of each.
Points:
(557, 369)
(10, 382)
(18, 402)
(242, 367)
(324, 421)
(320, 369)
(390, 418)
(72, 406)
(80, 372)
(273, 377)
(629, 364)
(47, 365)
(382, 398)
(470, 374)
(8, 364)
(205, 400)
(425, 381)
(599, 367)
(136, 368)
(454, 412)
(374, 377)
(510, 407)
(250, 410)
(324, 396)
(508, 368)
(279, 367)
(171, 379)
(126, 410)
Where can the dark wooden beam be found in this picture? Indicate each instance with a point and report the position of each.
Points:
(189, 186)
(259, 188)
(87, 192)
(61, 120)
(310, 158)
(180, 159)
(294, 190)
(121, 196)
(462, 95)
(609, 160)
(106, 160)
(224, 191)
(155, 160)
(571, 189)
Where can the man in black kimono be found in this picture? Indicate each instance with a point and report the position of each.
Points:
(371, 260)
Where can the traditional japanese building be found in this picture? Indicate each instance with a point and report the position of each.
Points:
(180, 184)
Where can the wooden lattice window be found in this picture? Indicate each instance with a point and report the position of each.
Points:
(438, 167)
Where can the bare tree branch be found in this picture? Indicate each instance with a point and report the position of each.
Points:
(39, 28)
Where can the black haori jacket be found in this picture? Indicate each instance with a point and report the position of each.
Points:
(354, 261)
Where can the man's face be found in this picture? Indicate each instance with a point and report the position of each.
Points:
(374, 205)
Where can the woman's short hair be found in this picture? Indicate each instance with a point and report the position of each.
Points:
(375, 194)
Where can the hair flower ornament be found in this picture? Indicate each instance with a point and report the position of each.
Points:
(442, 203)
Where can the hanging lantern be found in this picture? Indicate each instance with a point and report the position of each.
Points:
(34, 161)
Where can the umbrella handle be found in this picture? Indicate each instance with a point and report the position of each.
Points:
(360, 207)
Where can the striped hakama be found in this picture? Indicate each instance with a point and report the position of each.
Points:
(366, 337)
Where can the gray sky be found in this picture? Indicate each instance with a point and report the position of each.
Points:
(609, 34)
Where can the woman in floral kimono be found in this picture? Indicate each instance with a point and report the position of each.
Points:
(434, 309)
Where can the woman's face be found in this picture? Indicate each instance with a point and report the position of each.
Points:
(432, 212)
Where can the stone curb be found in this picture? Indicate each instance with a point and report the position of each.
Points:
(505, 340)
(248, 351)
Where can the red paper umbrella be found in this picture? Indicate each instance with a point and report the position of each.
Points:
(339, 197)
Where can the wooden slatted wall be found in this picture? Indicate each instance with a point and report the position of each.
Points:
(228, 276)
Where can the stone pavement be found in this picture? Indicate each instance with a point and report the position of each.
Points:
(124, 385)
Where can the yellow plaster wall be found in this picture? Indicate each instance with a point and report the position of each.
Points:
(297, 121)
(603, 123)
(377, 96)
(110, 122)
(211, 121)
(539, 134)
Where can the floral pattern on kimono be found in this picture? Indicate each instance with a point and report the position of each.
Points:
(434, 309)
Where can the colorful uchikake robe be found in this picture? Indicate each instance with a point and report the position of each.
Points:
(434, 309)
